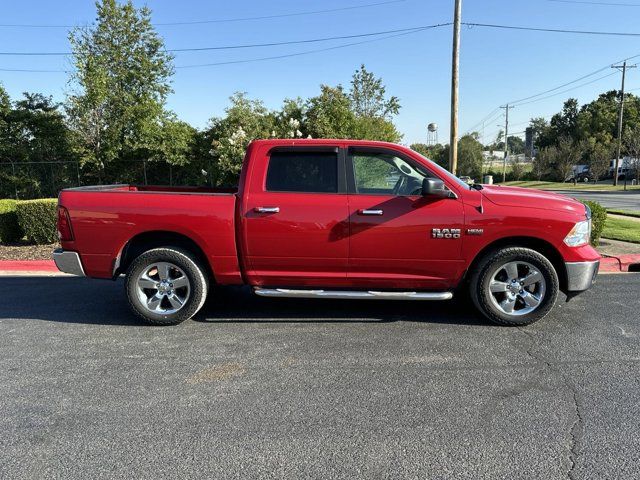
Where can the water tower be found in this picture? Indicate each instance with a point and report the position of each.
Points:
(432, 134)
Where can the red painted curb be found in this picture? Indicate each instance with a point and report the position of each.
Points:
(620, 263)
(609, 265)
(28, 266)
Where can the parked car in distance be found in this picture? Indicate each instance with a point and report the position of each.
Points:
(582, 177)
(322, 219)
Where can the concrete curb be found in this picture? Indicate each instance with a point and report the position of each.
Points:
(619, 263)
(30, 266)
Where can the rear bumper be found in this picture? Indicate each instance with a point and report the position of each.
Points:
(581, 275)
(68, 262)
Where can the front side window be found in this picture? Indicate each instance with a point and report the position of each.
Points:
(386, 174)
(311, 172)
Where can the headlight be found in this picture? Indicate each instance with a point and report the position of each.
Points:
(579, 234)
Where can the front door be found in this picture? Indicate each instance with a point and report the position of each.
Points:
(296, 221)
(392, 242)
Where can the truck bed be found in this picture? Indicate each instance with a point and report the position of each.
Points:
(106, 220)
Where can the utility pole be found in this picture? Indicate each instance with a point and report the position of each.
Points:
(506, 142)
(623, 69)
(455, 75)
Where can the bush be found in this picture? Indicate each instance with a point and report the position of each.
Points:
(37, 218)
(598, 219)
(10, 231)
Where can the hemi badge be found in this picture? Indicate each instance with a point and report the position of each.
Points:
(475, 231)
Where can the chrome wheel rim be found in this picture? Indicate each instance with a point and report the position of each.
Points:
(517, 288)
(163, 288)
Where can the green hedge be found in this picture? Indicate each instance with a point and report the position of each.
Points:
(38, 218)
(598, 219)
(10, 230)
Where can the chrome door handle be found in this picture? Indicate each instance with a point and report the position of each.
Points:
(266, 209)
(370, 212)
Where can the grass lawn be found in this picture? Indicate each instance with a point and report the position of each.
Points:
(626, 213)
(622, 229)
(568, 186)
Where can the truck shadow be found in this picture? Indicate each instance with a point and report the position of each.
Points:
(239, 304)
(102, 302)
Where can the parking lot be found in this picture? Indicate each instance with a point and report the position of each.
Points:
(262, 388)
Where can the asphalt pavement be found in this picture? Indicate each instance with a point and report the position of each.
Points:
(629, 200)
(272, 388)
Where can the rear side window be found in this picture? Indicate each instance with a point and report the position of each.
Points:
(313, 172)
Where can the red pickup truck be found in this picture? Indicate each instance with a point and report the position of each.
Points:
(331, 219)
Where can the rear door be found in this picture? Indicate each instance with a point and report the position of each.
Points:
(296, 218)
(392, 241)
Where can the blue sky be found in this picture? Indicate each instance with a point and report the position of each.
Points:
(497, 66)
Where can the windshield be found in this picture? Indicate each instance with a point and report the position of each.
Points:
(446, 173)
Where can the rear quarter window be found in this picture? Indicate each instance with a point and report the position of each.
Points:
(311, 172)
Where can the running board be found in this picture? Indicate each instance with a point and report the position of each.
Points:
(352, 294)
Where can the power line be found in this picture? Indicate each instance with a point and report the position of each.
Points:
(342, 37)
(260, 59)
(254, 45)
(224, 20)
(567, 90)
(307, 52)
(561, 86)
(614, 4)
(595, 72)
(551, 30)
(484, 120)
(523, 101)
(489, 119)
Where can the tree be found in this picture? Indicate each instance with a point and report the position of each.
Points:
(120, 84)
(632, 145)
(175, 141)
(516, 145)
(470, 156)
(368, 99)
(517, 168)
(565, 123)
(434, 153)
(375, 128)
(245, 120)
(599, 158)
(543, 161)
(329, 114)
(363, 113)
(33, 134)
(568, 154)
(290, 121)
(541, 133)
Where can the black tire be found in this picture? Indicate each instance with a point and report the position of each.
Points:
(485, 301)
(183, 260)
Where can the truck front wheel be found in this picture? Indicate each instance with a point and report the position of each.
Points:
(514, 286)
(166, 286)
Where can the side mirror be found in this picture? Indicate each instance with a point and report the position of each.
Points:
(434, 187)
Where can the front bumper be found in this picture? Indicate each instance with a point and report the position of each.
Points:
(581, 275)
(68, 262)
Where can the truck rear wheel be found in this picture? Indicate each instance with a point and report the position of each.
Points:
(166, 286)
(514, 286)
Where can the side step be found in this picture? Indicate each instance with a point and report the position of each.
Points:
(352, 294)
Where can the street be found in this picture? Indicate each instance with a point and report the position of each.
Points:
(266, 388)
(629, 200)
